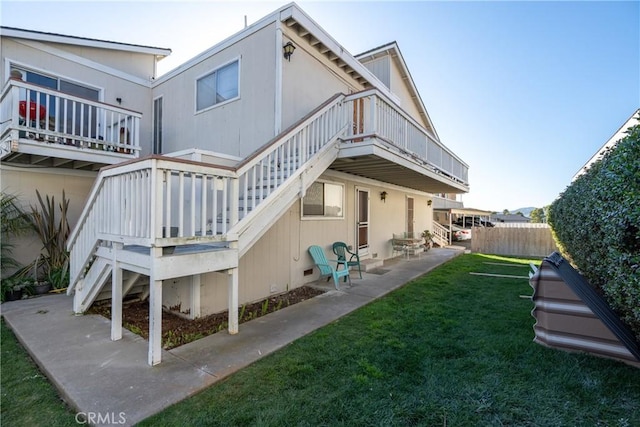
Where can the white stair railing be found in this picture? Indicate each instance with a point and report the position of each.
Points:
(160, 201)
(269, 167)
(440, 234)
(152, 202)
(287, 160)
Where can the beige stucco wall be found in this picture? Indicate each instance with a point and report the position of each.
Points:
(279, 259)
(135, 96)
(23, 182)
(237, 127)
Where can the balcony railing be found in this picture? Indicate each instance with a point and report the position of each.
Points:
(375, 115)
(47, 116)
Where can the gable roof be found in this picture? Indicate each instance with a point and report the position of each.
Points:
(82, 41)
(295, 19)
(393, 50)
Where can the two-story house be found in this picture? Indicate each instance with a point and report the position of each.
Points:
(203, 188)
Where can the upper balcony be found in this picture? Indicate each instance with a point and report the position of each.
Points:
(45, 127)
(387, 144)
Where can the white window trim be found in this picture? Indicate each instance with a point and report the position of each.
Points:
(195, 86)
(324, 218)
(153, 124)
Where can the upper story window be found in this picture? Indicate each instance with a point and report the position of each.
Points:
(157, 125)
(323, 200)
(217, 87)
(57, 83)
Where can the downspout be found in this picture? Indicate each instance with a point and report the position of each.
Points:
(278, 83)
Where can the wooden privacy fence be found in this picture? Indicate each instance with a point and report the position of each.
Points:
(530, 240)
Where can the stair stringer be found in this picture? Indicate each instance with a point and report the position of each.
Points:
(251, 228)
(91, 285)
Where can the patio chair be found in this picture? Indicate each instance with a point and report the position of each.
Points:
(325, 268)
(342, 252)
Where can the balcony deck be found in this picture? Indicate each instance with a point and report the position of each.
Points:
(44, 127)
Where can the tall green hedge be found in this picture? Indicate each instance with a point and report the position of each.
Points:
(596, 222)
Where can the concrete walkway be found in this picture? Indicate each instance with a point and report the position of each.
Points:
(112, 380)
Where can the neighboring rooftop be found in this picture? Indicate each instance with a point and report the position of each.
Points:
(509, 218)
(82, 41)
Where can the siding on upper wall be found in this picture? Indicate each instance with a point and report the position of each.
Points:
(137, 64)
(134, 96)
(381, 69)
(308, 80)
(236, 128)
(387, 70)
(401, 90)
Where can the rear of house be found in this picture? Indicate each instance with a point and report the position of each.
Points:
(218, 176)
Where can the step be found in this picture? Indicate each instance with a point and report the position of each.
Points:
(371, 264)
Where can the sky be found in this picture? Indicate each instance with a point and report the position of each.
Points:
(524, 92)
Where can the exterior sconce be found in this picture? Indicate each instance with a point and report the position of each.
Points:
(429, 202)
(119, 100)
(383, 196)
(288, 50)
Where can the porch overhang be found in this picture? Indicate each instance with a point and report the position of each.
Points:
(373, 158)
(25, 151)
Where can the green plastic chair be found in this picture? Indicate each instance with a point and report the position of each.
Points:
(342, 252)
(326, 269)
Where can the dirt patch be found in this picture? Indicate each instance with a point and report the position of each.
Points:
(177, 330)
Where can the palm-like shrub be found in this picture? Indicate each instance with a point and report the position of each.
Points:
(15, 222)
(53, 231)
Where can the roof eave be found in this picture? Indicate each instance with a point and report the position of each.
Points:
(82, 41)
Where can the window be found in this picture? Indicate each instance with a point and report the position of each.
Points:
(157, 126)
(74, 122)
(323, 200)
(217, 87)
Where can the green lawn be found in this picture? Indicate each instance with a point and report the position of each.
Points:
(28, 399)
(447, 349)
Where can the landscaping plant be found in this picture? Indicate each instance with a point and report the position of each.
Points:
(15, 222)
(596, 223)
(53, 231)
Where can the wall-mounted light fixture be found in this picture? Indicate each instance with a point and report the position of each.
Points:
(429, 202)
(383, 196)
(288, 50)
(119, 100)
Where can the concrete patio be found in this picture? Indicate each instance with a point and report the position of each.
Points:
(95, 375)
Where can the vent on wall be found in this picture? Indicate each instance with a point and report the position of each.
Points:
(308, 272)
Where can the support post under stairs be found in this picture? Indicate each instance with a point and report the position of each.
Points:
(194, 310)
(155, 312)
(233, 300)
(116, 295)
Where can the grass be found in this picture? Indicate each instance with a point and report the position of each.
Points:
(27, 398)
(447, 349)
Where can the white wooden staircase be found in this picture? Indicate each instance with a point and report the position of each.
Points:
(159, 218)
(441, 235)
